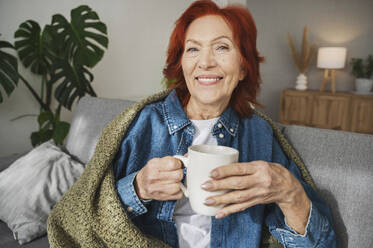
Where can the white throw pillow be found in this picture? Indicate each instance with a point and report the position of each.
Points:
(31, 186)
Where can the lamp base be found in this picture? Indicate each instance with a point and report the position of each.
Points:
(328, 78)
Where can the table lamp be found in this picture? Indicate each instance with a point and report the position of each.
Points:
(330, 58)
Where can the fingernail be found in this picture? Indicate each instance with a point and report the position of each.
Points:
(209, 201)
(219, 215)
(206, 185)
(214, 174)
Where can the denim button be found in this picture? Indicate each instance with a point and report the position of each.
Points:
(231, 129)
(221, 135)
(220, 125)
(174, 126)
(130, 209)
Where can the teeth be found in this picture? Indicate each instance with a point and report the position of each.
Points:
(208, 80)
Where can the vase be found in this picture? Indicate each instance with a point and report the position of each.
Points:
(363, 85)
(301, 83)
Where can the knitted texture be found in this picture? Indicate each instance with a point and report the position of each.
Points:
(91, 215)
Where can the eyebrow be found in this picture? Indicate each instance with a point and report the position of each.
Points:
(217, 38)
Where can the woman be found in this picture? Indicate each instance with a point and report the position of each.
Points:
(212, 57)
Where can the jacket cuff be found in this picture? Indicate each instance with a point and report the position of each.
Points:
(127, 194)
(317, 228)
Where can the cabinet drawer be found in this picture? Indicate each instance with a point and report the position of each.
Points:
(362, 116)
(339, 111)
(331, 112)
(296, 109)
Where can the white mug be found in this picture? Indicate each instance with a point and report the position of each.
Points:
(201, 160)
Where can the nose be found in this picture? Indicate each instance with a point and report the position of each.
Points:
(207, 59)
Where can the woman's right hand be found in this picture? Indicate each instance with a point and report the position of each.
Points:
(159, 179)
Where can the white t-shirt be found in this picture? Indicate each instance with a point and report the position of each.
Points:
(193, 229)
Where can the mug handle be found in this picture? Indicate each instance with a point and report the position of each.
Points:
(185, 162)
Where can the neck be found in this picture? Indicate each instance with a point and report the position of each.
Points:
(197, 111)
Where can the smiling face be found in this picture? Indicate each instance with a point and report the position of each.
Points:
(211, 63)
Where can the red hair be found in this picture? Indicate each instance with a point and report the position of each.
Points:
(244, 33)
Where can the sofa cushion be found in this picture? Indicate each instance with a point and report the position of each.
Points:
(8, 160)
(7, 240)
(341, 163)
(91, 115)
(31, 186)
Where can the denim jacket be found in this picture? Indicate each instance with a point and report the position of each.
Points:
(163, 129)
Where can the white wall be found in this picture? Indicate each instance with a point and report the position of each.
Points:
(330, 23)
(131, 68)
(138, 36)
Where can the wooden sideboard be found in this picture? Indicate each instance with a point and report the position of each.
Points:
(339, 111)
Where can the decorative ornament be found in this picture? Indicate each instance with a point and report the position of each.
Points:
(302, 60)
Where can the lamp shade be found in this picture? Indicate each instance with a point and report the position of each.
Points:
(331, 57)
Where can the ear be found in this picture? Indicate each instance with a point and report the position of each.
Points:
(242, 73)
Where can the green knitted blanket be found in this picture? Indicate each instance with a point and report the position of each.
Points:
(91, 215)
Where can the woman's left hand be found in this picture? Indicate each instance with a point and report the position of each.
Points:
(259, 182)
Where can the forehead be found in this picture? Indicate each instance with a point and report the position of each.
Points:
(207, 28)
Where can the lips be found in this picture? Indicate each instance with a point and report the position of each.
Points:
(208, 79)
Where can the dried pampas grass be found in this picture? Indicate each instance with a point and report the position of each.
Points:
(302, 60)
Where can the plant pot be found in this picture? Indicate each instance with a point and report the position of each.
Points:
(363, 85)
(301, 83)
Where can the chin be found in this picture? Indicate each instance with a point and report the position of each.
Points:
(209, 98)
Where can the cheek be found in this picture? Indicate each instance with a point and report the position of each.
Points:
(230, 65)
(187, 67)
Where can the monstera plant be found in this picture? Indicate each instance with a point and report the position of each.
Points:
(62, 53)
(8, 69)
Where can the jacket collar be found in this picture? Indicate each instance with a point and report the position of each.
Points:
(176, 118)
(229, 120)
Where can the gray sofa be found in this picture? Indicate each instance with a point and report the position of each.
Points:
(341, 163)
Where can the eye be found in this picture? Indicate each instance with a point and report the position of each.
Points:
(222, 48)
(192, 49)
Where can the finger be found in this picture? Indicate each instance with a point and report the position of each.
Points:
(176, 196)
(168, 188)
(229, 183)
(172, 176)
(234, 208)
(165, 192)
(236, 196)
(170, 163)
(235, 169)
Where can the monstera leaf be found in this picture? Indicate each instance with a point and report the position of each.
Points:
(82, 36)
(8, 69)
(62, 54)
(73, 82)
(34, 46)
(50, 127)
